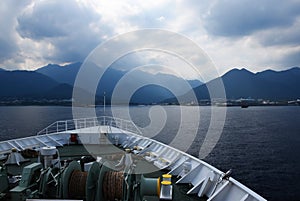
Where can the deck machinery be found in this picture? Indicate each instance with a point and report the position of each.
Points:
(85, 179)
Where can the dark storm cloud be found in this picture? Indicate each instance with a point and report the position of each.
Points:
(66, 25)
(276, 37)
(8, 10)
(240, 17)
(52, 19)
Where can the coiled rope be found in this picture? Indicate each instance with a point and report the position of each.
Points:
(113, 185)
(77, 184)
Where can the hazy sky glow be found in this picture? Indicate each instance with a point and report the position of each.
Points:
(254, 34)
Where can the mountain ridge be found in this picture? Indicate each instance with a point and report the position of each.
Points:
(107, 83)
(269, 84)
(23, 83)
(56, 82)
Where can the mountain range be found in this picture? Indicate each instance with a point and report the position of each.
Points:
(243, 84)
(56, 82)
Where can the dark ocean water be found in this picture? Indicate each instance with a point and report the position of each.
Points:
(260, 144)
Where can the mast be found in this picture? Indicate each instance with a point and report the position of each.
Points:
(104, 103)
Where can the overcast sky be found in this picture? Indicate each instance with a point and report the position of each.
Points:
(257, 35)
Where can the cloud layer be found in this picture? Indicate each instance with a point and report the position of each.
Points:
(253, 34)
(239, 18)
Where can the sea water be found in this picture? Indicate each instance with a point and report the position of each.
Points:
(260, 144)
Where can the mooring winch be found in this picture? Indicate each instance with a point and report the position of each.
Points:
(69, 180)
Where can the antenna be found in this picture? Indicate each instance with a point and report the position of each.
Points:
(104, 102)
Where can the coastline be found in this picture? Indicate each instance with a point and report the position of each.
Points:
(68, 104)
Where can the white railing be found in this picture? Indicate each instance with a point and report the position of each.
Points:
(73, 124)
